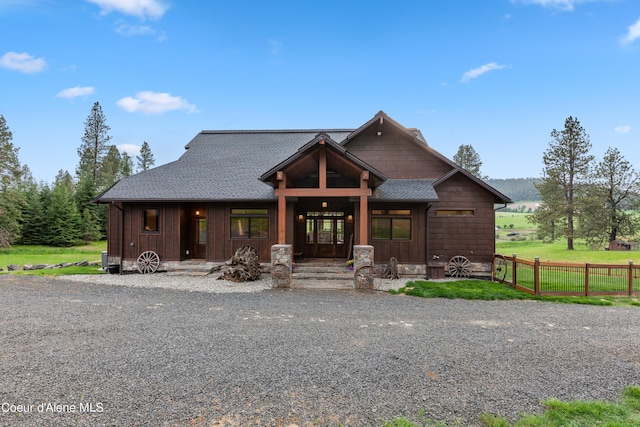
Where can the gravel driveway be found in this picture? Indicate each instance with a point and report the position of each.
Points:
(75, 353)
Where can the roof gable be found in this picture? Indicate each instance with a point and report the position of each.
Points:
(302, 168)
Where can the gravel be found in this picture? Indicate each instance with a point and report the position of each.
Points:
(145, 354)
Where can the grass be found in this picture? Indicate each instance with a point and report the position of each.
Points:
(21, 255)
(486, 290)
(557, 413)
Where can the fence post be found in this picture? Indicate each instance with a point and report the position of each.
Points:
(536, 276)
(514, 271)
(586, 279)
(630, 277)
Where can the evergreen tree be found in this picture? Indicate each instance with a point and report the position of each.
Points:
(111, 168)
(145, 159)
(89, 227)
(469, 159)
(94, 145)
(566, 171)
(34, 223)
(63, 220)
(11, 198)
(126, 165)
(611, 200)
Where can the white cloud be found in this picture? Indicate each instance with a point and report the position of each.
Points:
(633, 32)
(567, 5)
(153, 9)
(155, 103)
(130, 149)
(72, 92)
(22, 62)
(476, 72)
(128, 30)
(622, 129)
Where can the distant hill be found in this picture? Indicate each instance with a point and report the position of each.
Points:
(518, 189)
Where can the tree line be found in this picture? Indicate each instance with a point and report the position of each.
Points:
(63, 213)
(582, 198)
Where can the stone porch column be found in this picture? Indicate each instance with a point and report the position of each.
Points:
(281, 266)
(363, 266)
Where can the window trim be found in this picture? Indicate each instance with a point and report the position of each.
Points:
(250, 214)
(145, 227)
(455, 213)
(392, 215)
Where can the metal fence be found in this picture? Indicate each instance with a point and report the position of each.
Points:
(555, 278)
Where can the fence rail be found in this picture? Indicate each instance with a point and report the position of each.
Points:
(555, 278)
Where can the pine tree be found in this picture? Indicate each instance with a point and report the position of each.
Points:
(145, 159)
(126, 165)
(611, 200)
(469, 159)
(11, 198)
(33, 216)
(566, 171)
(94, 145)
(63, 220)
(111, 168)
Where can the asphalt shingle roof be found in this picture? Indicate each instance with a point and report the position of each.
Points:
(218, 165)
(406, 190)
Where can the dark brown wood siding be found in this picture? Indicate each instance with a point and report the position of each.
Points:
(469, 236)
(405, 251)
(396, 156)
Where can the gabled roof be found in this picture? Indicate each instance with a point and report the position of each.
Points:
(324, 139)
(227, 166)
(498, 196)
(217, 165)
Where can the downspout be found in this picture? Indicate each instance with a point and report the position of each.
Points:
(121, 236)
(426, 218)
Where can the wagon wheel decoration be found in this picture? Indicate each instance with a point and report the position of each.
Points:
(148, 262)
(459, 266)
(499, 267)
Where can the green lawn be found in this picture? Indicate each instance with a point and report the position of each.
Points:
(21, 255)
(530, 249)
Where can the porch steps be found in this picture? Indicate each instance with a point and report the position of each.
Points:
(333, 274)
(191, 268)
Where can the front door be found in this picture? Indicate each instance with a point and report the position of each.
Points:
(325, 235)
(200, 238)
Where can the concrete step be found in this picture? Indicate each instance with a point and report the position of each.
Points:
(317, 284)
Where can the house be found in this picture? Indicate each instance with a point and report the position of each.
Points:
(321, 191)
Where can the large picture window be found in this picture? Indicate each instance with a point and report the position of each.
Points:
(249, 223)
(150, 220)
(391, 224)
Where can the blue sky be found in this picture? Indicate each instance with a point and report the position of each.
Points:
(497, 74)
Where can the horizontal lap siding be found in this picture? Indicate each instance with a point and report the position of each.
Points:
(472, 237)
(397, 157)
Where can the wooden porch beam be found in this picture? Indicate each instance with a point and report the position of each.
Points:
(364, 209)
(282, 208)
(322, 165)
(323, 192)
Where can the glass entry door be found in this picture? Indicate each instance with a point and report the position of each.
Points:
(325, 234)
(200, 238)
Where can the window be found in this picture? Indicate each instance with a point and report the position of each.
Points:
(391, 224)
(249, 223)
(455, 212)
(150, 220)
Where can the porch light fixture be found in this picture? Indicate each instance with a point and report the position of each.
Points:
(324, 204)
(197, 213)
(349, 218)
(300, 217)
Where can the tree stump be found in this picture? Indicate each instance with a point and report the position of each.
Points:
(243, 266)
(391, 270)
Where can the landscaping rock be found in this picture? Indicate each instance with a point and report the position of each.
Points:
(14, 267)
